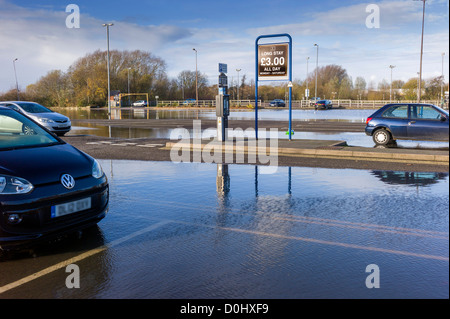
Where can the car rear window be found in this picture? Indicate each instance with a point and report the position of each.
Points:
(397, 111)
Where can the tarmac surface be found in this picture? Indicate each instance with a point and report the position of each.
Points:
(297, 152)
(304, 153)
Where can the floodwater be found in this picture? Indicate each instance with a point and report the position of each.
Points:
(341, 115)
(197, 230)
(345, 115)
(233, 232)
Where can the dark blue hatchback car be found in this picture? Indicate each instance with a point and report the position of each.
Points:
(403, 121)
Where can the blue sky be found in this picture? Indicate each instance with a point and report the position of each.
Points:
(34, 31)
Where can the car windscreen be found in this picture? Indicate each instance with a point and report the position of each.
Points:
(34, 108)
(18, 131)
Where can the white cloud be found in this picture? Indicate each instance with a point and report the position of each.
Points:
(42, 42)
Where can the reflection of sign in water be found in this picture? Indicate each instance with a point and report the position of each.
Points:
(273, 60)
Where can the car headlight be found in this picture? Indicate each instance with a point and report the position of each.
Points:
(97, 170)
(44, 120)
(14, 185)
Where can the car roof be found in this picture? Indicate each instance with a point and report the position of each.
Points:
(17, 102)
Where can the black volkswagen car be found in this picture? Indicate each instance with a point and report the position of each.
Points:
(48, 188)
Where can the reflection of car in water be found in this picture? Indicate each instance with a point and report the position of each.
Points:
(409, 178)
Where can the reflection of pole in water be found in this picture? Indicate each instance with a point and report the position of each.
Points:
(256, 181)
(222, 180)
(290, 181)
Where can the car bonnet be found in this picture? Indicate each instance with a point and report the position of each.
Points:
(43, 165)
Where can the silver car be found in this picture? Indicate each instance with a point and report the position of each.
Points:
(52, 121)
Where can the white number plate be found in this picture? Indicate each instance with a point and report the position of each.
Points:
(70, 208)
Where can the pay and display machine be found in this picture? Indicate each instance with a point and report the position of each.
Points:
(222, 104)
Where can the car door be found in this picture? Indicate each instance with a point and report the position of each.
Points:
(396, 119)
(426, 123)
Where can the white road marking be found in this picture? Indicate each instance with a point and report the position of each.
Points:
(80, 257)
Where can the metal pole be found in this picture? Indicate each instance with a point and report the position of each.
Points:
(307, 82)
(290, 87)
(238, 97)
(317, 66)
(129, 102)
(107, 25)
(196, 78)
(442, 80)
(390, 91)
(15, 73)
(421, 55)
(256, 88)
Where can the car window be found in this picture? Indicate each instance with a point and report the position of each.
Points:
(34, 108)
(424, 112)
(11, 106)
(18, 131)
(397, 111)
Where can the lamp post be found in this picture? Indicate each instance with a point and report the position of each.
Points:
(390, 91)
(15, 74)
(196, 78)
(107, 25)
(129, 101)
(238, 97)
(419, 90)
(317, 66)
(442, 80)
(307, 81)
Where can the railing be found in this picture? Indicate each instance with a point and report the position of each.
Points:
(362, 104)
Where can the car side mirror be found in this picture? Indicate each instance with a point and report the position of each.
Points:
(443, 118)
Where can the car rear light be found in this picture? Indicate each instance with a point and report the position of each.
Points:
(368, 120)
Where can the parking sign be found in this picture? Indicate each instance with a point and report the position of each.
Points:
(273, 62)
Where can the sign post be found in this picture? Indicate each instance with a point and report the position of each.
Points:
(273, 63)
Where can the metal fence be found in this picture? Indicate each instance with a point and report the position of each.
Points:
(361, 104)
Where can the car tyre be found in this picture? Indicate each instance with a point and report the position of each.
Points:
(382, 137)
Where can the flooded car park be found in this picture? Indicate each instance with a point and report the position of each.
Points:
(302, 131)
(197, 230)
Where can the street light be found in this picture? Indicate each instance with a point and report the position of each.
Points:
(317, 66)
(196, 78)
(15, 73)
(238, 70)
(390, 91)
(307, 89)
(107, 25)
(421, 54)
(129, 101)
(442, 80)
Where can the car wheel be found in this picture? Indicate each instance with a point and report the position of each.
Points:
(382, 137)
(27, 130)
